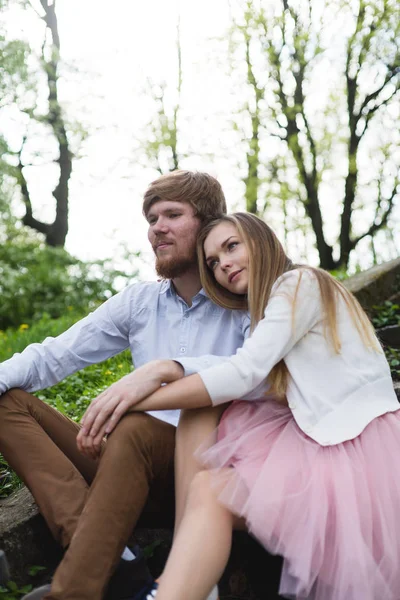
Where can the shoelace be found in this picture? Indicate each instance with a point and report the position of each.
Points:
(152, 594)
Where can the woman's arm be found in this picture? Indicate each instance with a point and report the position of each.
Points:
(115, 401)
(188, 392)
(237, 375)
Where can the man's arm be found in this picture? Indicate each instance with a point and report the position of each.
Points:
(189, 392)
(102, 334)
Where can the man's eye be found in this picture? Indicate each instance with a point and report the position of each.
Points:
(174, 215)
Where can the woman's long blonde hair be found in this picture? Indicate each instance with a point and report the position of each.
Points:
(267, 262)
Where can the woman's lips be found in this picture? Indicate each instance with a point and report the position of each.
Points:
(234, 275)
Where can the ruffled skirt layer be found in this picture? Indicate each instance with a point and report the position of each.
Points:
(332, 512)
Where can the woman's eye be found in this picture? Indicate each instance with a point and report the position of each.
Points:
(212, 264)
(232, 245)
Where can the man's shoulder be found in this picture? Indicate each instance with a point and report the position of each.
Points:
(133, 298)
(143, 289)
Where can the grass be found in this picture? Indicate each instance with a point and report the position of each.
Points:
(73, 394)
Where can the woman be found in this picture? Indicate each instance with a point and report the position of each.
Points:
(307, 463)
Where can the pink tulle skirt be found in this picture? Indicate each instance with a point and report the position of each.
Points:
(332, 512)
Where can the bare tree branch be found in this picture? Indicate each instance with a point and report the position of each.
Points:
(55, 232)
(28, 219)
(384, 219)
(252, 179)
(372, 111)
(393, 71)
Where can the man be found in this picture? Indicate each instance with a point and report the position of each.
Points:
(90, 505)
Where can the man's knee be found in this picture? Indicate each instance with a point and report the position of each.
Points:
(131, 427)
(17, 399)
(141, 432)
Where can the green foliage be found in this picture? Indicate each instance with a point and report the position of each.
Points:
(36, 279)
(393, 358)
(9, 481)
(35, 569)
(11, 591)
(386, 314)
(72, 395)
(279, 52)
(383, 316)
(13, 68)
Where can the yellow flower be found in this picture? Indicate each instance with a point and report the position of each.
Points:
(119, 366)
(23, 326)
(108, 372)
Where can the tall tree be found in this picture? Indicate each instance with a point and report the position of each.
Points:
(55, 232)
(51, 120)
(287, 45)
(162, 144)
(13, 76)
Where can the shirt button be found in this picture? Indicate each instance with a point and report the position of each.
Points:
(292, 406)
(183, 350)
(186, 316)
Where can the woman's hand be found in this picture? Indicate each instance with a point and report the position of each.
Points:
(106, 410)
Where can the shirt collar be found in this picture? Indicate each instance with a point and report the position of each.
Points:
(168, 287)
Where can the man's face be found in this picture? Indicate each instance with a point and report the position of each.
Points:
(172, 233)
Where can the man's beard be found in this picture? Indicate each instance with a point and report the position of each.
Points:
(169, 268)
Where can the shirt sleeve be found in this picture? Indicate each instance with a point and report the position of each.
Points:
(100, 335)
(272, 339)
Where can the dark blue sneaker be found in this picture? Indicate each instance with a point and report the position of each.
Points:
(130, 578)
(147, 593)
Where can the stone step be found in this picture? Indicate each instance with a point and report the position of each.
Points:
(251, 572)
(377, 284)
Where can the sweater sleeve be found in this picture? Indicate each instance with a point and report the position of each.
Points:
(275, 335)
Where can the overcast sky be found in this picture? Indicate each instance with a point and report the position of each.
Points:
(116, 49)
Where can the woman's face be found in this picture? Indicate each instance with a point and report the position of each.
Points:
(227, 257)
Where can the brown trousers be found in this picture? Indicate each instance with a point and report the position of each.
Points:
(91, 507)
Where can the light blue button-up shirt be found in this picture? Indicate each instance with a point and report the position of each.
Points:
(150, 319)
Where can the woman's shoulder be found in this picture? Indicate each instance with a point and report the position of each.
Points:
(298, 278)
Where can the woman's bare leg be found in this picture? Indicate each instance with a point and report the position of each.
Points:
(195, 426)
(201, 547)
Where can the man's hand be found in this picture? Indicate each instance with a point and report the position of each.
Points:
(107, 409)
